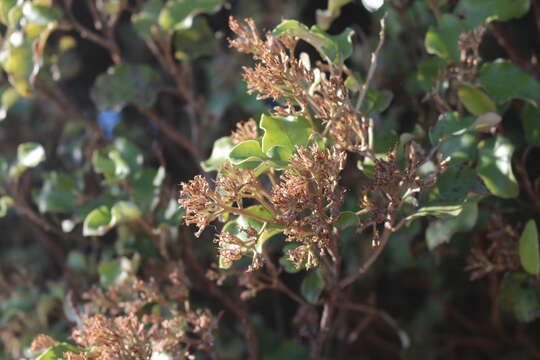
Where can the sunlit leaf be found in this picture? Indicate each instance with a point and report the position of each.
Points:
(97, 222)
(179, 14)
(442, 40)
(220, 153)
(30, 154)
(495, 167)
(475, 100)
(288, 132)
(440, 231)
(57, 194)
(504, 81)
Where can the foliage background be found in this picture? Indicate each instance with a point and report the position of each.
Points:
(453, 288)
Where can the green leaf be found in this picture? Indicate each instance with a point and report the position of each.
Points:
(429, 71)
(377, 101)
(124, 211)
(247, 153)
(5, 7)
(17, 60)
(57, 351)
(147, 19)
(478, 12)
(505, 81)
(30, 154)
(530, 119)
(97, 222)
(459, 148)
(146, 187)
(109, 272)
(449, 196)
(312, 286)
(179, 14)
(126, 84)
(40, 14)
(119, 160)
(449, 124)
(519, 295)
(288, 132)
(495, 167)
(528, 249)
(475, 100)
(440, 231)
(346, 219)
(442, 40)
(265, 231)
(199, 40)
(57, 194)
(5, 203)
(334, 49)
(220, 152)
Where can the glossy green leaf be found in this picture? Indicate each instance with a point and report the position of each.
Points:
(478, 12)
(504, 81)
(124, 211)
(288, 132)
(519, 295)
(247, 152)
(220, 152)
(495, 167)
(449, 124)
(440, 231)
(529, 254)
(475, 100)
(449, 195)
(377, 101)
(97, 222)
(179, 14)
(198, 40)
(5, 203)
(486, 122)
(147, 186)
(126, 84)
(17, 60)
(40, 14)
(442, 40)
(335, 49)
(30, 154)
(312, 286)
(57, 194)
(57, 351)
(459, 148)
(145, 21)
(530, 119)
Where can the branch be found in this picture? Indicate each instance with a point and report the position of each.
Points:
(374, 256)
(372, 67)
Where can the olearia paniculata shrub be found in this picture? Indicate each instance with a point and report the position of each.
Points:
(363, 205)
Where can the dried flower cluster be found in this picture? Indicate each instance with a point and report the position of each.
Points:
(118, 325)
(308, 199)
(303, 90)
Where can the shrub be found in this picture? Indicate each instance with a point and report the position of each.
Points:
(371, 211)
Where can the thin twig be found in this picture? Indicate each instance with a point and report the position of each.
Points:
(372, 66)
(364, 268)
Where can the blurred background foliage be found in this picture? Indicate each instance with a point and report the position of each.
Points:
(106, 105)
